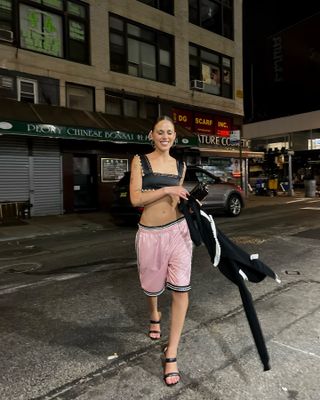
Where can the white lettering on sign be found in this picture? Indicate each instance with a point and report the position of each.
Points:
(84, 132)
(277, 53)
(220, 141)
(116, 135)
(45, 129)
(224, 141)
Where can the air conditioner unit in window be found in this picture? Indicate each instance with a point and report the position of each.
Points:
(6, 36)
(196, 84)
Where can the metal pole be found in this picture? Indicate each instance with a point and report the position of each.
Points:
(246, 178)
(290, 191)
(240, 154)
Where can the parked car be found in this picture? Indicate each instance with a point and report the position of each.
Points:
(225, 196)
(222, 195)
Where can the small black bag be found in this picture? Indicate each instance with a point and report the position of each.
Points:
(200, 191)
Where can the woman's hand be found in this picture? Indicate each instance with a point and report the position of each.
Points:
(177, 191)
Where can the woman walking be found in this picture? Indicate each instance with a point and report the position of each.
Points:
(163, 243)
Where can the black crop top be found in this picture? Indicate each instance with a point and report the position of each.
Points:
(156, 180)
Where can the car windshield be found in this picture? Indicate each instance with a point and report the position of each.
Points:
(197, 175)
(204, 178)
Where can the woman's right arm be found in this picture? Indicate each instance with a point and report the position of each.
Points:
(139, 198)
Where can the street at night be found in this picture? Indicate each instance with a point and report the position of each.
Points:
(123, 110)
(74, 320)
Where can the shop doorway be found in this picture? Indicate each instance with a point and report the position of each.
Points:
(85, 183)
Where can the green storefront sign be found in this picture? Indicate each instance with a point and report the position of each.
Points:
(71, 132)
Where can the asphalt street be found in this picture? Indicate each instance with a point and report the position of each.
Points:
(73, 319)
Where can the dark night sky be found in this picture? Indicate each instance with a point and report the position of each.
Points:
(262, 19)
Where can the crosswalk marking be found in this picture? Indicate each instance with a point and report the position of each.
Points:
(306, 200)
(295, 201)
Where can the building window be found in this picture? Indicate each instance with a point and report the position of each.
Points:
(213, 15)
(140, 51)
(152, 110)
(213, 70)
(58, 28)
(7, 86)
(5, 15)
(122, 105)
(314, 144)
(27, 90)
(113, 105)
(80, 97)
(163, 5)
(130, 108)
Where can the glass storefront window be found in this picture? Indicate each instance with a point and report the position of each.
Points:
(277, 145)
(314, 144)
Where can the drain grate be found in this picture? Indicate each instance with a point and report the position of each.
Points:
(292, 272)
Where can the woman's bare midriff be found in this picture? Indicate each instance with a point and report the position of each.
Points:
(160, 212)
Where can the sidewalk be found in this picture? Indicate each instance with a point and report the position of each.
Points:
(69, 223)
(55, 225)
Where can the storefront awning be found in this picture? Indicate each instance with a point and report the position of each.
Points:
(41, 120)
(215, 152)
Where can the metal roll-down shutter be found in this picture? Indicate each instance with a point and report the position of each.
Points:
(46, 177)
(14, 169)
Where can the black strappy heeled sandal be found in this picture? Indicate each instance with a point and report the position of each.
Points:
(154, 331)
(169, 374)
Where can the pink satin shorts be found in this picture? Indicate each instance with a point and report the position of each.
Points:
(164, 257)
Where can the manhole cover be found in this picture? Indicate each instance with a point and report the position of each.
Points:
(20, 268)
